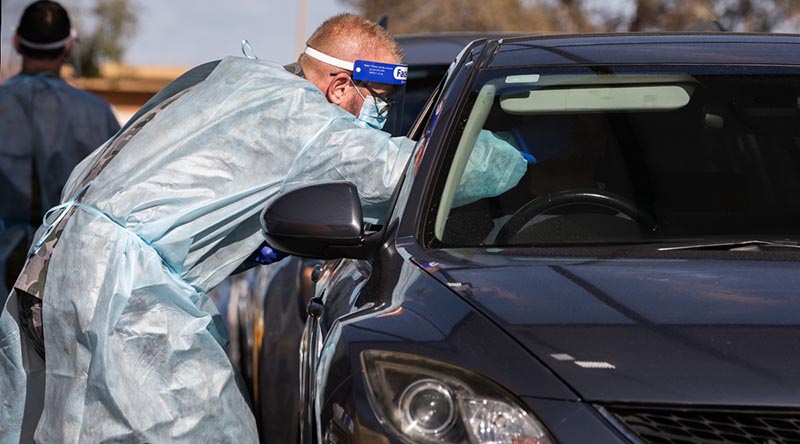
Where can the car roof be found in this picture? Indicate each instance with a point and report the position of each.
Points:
(715, 48)
(440, 48)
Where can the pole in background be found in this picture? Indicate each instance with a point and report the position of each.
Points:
(302, 25)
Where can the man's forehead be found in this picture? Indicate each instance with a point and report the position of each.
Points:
(376, 68)
(380, 73)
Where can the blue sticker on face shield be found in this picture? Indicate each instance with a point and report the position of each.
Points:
(377, 72)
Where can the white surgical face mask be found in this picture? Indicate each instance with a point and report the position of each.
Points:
(369, 112)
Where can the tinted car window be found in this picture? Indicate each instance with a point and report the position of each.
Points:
(640, 155)
(422, 81)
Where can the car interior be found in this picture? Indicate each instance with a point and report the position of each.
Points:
(632, 158)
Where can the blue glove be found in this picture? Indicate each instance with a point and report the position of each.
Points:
(267, 255)
(528, 157)
(516, 140)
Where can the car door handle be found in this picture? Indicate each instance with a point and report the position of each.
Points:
(316, 273)
(315, 307)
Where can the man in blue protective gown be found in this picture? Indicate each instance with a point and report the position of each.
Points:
(165, 211)
(46, 128)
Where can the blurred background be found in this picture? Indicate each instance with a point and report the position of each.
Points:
(129, 49)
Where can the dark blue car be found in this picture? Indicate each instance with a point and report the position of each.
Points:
(639, 284)
(264, 308)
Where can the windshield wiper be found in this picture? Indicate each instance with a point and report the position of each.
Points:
(748, 245)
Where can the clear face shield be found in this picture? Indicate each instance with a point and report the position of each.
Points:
(386, 84)
(382, 87)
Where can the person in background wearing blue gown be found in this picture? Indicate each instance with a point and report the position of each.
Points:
(46, 128)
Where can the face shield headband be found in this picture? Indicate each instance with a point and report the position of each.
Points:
(47, 46)
(366, 72)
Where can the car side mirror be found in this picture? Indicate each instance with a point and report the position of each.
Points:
(318, 221)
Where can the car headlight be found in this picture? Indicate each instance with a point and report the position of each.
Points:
(433, 402)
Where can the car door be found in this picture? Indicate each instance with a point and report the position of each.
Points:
(340, 291)
(339, 285)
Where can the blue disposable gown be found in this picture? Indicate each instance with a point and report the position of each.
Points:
(46, 128)
(134, 352)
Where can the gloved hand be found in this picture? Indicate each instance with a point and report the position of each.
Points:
(528, 157)
(517, 142)
(266, 255)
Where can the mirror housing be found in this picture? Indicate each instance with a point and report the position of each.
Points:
(321, 221)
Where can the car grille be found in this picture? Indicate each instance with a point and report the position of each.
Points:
(708, 426)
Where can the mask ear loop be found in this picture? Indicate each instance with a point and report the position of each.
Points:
(248, 51)
(364, 98)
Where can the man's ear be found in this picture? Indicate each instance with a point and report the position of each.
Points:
(68, 48)
(16, 44)
(337, 89)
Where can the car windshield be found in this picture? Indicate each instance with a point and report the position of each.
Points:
(631, 155)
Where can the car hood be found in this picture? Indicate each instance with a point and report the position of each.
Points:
(712, 332)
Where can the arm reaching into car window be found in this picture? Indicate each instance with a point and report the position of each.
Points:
(494, 167)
